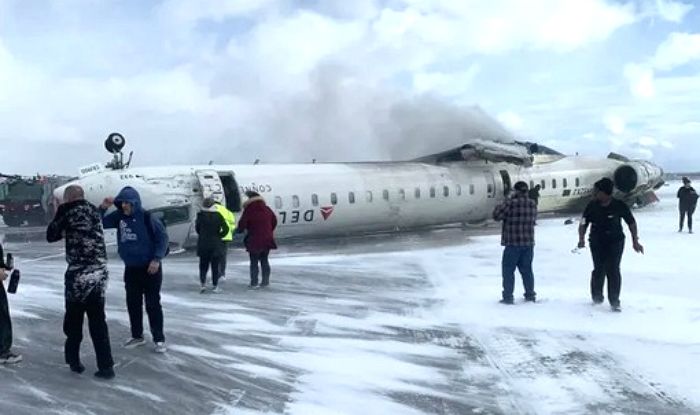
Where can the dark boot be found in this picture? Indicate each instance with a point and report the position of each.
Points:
(77, 368)
(105, 373)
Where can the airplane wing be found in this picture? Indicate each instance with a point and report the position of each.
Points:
(509, 151)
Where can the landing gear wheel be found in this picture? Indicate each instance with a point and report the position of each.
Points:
(114, 143)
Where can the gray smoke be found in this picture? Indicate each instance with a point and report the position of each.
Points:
(343, 119)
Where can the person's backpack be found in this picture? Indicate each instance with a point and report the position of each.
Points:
(151, 231)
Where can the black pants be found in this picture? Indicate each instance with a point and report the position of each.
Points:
(213, 259)
(606, 262)
(222, 261)
(94, 307)
(686, 211)
(261, 258)
(141, 285)
(5, 323)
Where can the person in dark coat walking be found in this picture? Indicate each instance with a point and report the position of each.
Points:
(142, 243)
(211, 228)
(687, 201)
(534, 194)
(607, 240)
(259, 221)
(518, 214)
(80, 223)
(6, 354)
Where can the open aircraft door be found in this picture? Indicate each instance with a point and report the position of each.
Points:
(211, 185)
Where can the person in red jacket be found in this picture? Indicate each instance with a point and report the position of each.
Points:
(259, 223)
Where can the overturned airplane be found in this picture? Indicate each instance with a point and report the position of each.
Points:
(461, 185)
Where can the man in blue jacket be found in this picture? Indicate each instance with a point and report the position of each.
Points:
(142, 243)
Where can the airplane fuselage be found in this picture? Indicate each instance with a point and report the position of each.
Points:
(342, 198)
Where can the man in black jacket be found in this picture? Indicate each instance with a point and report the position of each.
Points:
(6, 355)
(607, 240)
(687, 201)
(80, 223)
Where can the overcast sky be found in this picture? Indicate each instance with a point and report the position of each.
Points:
(290, 80)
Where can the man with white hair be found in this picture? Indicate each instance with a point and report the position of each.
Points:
(80, 223)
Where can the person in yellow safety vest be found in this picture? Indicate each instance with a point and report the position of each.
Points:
(230, 219)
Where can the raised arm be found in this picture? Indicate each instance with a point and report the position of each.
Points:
(501, 210)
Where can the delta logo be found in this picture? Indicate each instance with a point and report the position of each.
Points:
(326, 212)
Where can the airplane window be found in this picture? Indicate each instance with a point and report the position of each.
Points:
(543, 184)
(278, 202)
(446, 191)
(578, 182)
(351, 197)
(489, 188)
(554, 183)
(314, 199)
(402, 194)
(295, 201)
(172, 215)
(334, 199)
(417, 193)
(369, 196)
(385, 194)
(471, 189)
(564, 183)
(432, 191)
(459, 190)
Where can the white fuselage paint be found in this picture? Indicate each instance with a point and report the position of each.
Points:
(357, 197)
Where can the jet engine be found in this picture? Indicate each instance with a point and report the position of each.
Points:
(636, 176)
(636, 180)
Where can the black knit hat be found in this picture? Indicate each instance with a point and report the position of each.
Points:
(605, 185)
(520, 187)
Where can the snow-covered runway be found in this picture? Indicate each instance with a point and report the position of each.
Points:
(406, 324)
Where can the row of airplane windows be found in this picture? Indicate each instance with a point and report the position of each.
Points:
(564, 183)
(369, 195)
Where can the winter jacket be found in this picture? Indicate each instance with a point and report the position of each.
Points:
(687, 198)
(136, 245)
(211, 228)
(230, 220)
(80, 224)
(534, 194)
(259, 221)
(518, 214)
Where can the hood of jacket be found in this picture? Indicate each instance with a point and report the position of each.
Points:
(254, 200)
(129, 195)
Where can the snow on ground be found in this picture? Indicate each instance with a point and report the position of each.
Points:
(406, 324)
